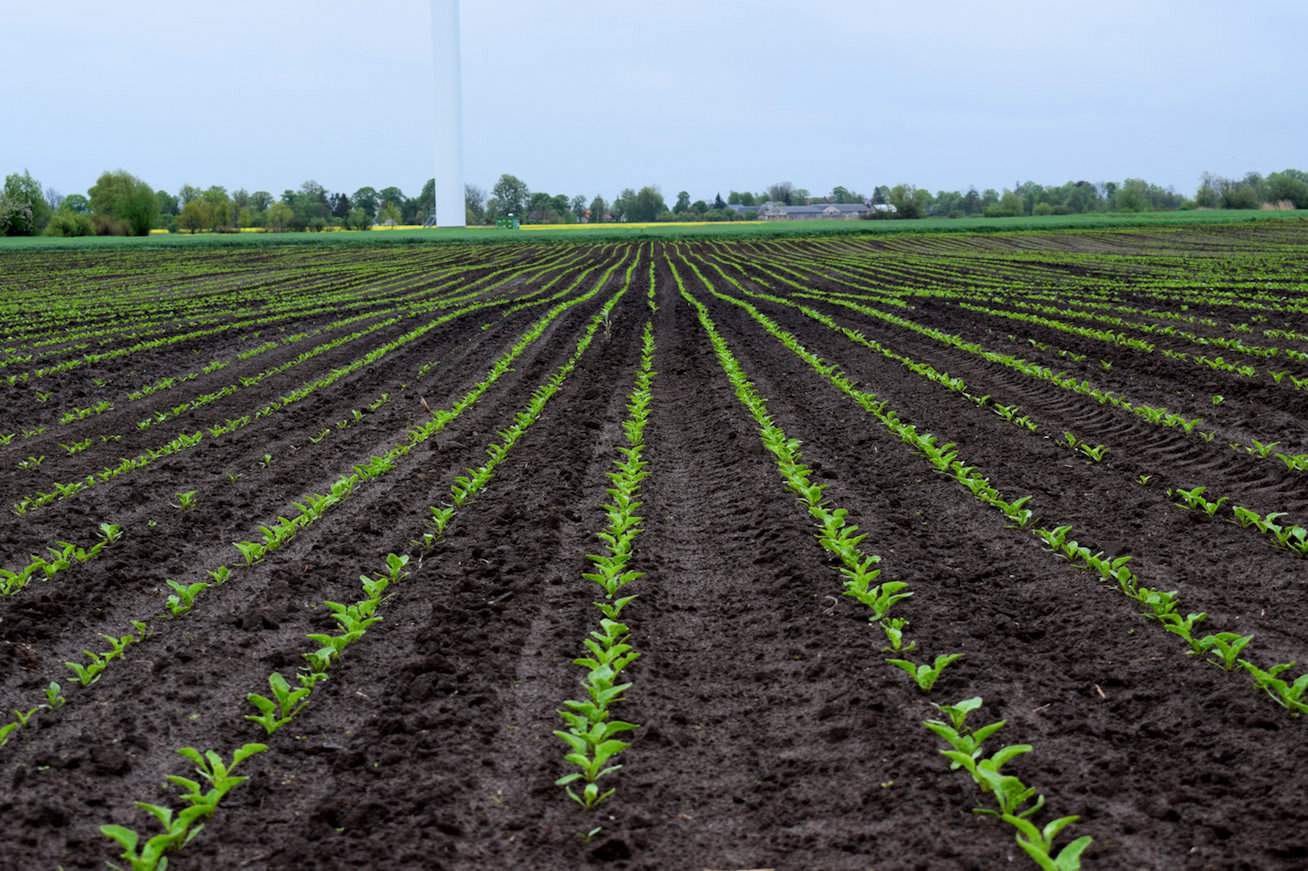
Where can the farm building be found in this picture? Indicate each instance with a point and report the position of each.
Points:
(773, 211)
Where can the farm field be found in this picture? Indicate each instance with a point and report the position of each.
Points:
(309, 546)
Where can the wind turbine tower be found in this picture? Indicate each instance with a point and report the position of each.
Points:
(449, 114)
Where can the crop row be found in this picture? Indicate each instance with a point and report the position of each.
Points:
(310, 508)
(179, 825)
(1014, 801)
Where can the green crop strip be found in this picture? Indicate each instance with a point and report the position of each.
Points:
(1218, 648)
(184, 441)
(63, 556)
(1017, 802)
(589, 728)
(182, 596)
(353, 621)
(1292, 538)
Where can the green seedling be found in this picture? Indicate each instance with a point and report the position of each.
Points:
(1290, 696)
(1095, 453)
(1143, 480)
(440, 517)
(1039, 843)
(7, 730)
(925, 676)
(88, 674)
(220, 575)
(1225, 646)
(22, 717)
(31, 463)
(1010, 793)
(253, 551)
(1262, 449)
(893, 627)
(186, 500)
(214, 773)
(54, 697)
(1217, 399)
(283, 707)
(958, 739)
(395, 567)
(183, 598)
(1017, 512)
(880, 598)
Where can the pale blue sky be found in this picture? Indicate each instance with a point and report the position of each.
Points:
(589, 96)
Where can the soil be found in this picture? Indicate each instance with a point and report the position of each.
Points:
(772, 733)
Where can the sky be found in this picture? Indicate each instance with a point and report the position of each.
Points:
(591, 96)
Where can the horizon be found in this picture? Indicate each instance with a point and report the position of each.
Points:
(573, 101)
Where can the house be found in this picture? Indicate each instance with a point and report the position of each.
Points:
(774, 211)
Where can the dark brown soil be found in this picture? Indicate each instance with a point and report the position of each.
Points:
(772, 733)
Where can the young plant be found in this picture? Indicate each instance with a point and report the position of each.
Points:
(1038, 843)
(185, 500)
(285, 704)
(183, 598)
(1225, 647)
(925, 676)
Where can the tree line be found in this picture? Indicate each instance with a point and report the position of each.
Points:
(119, 203)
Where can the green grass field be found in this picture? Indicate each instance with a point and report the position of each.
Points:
(608, 232)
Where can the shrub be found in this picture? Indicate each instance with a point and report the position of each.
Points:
(69, 223)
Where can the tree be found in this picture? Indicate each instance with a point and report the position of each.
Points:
(121, 196)
(578, 206)
(542, 209)
(647, 205)
(682, 204)
(622, 204)
(76, 203)
(53, 199)
(474, 203)
(598, 210)
(25, 211)
(699, 207)
(194, 216)
(340, 205)
(219, 207)
(260, 201)
(188, 192)
(358, 219)
(513, 195)
(423, 208)
(167, 202)
(782, 192)
(366, 199)
(717, 202)
(389, 214)
(66, 222)
(279, 218)
(1290, 185)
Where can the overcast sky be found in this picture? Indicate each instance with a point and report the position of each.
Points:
(590, 96)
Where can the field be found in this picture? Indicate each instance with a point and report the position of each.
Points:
(748, 511)
(667, 230)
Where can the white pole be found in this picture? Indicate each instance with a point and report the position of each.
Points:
(449, 114)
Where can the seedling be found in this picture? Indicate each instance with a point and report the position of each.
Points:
(1143, 480)
(1290, 696)
(1225, 646)
(285, 704)
(1010, 793)
(1217, 399)
(893, 627)
(925, 676)
(54, 697)
(1039, 843)
(1095, 453)
(186, 500)
(183, 598)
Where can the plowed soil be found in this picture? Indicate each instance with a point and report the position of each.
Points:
(772, 734)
